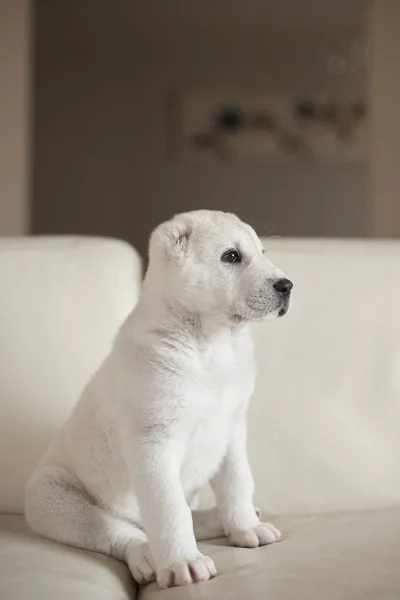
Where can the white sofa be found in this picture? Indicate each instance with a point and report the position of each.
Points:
(324, 424)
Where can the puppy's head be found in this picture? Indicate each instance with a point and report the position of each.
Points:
(212, 263)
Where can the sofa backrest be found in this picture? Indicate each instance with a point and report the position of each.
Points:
(61, 302)
(324, 422)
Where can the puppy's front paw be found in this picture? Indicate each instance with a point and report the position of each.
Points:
(261, 535)
(141, 563)
(202, 568)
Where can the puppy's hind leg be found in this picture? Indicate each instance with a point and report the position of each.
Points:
(57, 507)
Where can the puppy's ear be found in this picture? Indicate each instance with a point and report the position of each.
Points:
(179, 235)
(172, 237)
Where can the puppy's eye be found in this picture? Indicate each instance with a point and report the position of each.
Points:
(232, 256)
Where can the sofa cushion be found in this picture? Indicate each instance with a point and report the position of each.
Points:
(333, 557)
(62, 301)
(37, 569)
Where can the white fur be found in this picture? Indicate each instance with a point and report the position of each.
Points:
(165, 413)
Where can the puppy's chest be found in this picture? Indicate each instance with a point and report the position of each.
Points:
(225, 365)
(224, 378)
(222, 391)
(210, 432)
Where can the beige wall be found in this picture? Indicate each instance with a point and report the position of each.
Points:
(14, 116)
(384, 91)
(101, 156)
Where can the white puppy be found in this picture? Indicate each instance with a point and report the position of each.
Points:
(165, 412)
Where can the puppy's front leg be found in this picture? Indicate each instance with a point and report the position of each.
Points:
(167, 518)
(233, 487)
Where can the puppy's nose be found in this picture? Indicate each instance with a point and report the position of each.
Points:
(283, 286)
